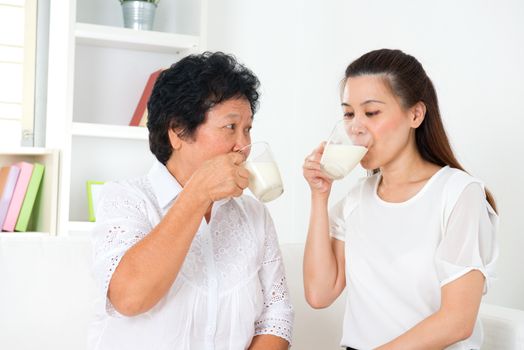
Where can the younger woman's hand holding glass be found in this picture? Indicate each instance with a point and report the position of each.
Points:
(336, 158)
(317, 180)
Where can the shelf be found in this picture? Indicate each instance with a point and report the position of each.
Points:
(22, 235)
(110, 131)
(44, 219)
(125, 38)
(80, 228)
(26, 151)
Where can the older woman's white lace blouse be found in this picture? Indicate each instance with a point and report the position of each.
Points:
(231, 287)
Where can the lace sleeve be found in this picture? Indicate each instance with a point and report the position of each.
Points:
(121, 222)
(277, 316)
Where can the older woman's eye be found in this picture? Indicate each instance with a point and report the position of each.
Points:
(372, 114)
(247, 131)
(230, 126)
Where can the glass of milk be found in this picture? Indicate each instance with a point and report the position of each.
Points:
(341, 153)
(264, 177)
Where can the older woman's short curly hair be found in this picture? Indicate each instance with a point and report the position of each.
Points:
(188, 89)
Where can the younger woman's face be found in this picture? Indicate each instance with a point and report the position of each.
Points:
(376, 120)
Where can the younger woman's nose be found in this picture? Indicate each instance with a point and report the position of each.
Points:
(357, 129)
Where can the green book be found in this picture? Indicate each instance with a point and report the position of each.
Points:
(30, 197)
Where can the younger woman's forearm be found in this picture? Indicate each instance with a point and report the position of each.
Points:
(320, 265)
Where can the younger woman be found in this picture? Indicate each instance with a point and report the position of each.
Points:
(415, 242)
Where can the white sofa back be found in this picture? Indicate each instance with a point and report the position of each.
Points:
(46, 295)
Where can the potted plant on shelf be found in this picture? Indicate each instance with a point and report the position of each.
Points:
(139, 14)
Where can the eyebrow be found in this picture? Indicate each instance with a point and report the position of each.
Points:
(363, 103)
(235, 116)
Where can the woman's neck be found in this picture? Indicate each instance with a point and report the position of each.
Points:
(405, 176)
(409, 168)
(179, 171)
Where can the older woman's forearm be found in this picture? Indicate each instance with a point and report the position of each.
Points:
(149, 268)
(268, 342)
(321, 273)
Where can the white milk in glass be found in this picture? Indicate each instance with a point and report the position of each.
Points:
(264, 180)
(339, 159)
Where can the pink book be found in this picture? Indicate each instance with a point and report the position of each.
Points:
(26, 169)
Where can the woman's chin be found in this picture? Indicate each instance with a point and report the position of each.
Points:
(366, 164)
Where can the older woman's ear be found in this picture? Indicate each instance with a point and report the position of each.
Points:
(174, 139)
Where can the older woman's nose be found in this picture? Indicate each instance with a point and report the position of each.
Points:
(242, 141)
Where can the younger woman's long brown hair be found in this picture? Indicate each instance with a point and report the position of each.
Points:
(407, 79)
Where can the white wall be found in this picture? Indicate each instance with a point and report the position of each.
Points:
(472, 50)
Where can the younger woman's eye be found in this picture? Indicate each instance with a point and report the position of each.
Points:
(372, 114)
(349, 115)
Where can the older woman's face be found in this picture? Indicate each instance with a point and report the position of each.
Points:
(226, 129)
(375, 114)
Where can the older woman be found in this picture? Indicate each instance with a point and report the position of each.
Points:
(186, 261)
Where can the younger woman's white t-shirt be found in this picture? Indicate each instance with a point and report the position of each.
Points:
(399, 255)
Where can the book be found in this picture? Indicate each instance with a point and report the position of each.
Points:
(26, 169)
(140, 115)
(93, 194)
(4, 171)
(7, 192)
(30, 197)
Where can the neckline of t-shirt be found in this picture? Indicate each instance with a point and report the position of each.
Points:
(412, 199)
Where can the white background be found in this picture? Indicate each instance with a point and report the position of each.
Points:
(472, 50)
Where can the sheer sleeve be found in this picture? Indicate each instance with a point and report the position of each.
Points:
(278, 315)
(469, 241)
(339, 213)
(121, 222)
(337, 220)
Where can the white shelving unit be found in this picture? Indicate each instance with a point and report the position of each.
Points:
(109, 131)
(44, 214)
(124, 38)
(80, 228)
(97, 76)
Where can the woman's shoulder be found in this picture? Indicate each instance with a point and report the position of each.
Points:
(138, 188)
(456, 180)
(350, 200)
(251, 205)
(455, 183)
(364, 186)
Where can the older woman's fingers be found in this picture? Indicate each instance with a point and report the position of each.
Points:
(311, 165)
(242, 182)
(236, 157)
(243, 172)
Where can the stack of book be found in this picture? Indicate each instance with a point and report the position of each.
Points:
(19, 185)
